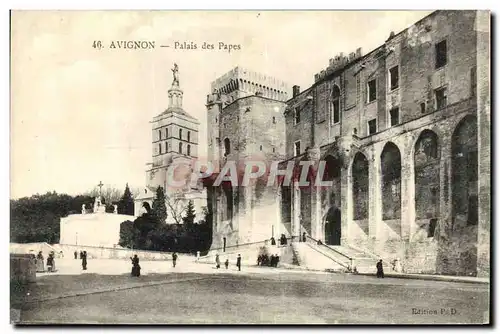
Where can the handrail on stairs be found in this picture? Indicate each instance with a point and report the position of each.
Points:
(333, 249)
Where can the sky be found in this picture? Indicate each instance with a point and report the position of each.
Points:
(80, 115)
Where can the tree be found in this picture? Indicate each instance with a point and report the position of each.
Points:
(188, 219)
(159, 209)
(128, 234)
(126, 203)
(176, 207)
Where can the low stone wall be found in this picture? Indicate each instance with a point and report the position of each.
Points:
(112, 253)
(22, 268)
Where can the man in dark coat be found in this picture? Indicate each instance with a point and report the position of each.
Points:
(238, 262)
(273, 241)
(83, 256)
(136, 268)
(76, 255)
(174, 258)
(380, 269)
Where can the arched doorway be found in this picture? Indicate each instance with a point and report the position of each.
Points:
(333, 229)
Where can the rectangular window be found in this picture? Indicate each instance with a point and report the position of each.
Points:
(371, 90)
(336, 111)
(422, 108)
(441, 98)
(394, 77)
(372, 126)
(296, 116)
(473, 81)
(441, 54)
(394, 113)
(297, 147)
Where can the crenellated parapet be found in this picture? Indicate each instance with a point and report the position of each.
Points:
(241, 82)
(338, 62)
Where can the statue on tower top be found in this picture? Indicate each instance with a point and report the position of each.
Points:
(175, 72)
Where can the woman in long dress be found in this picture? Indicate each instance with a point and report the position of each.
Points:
(136, 268)
(40, 267)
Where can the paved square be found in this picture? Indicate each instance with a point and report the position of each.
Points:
(199, 294)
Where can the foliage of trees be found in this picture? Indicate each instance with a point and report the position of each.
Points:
(37, 218)
(150, 232)
(126, 203)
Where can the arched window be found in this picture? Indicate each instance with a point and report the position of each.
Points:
(427, 169)
(360, 187)
(189, 149)
(166, 133)
(260, 147)
(166, 147)
(189, 136)
(335, 105)
(180, 148)
(159, 134)
(391, 182)
(180, 133)
(227, 146)
(159, 149)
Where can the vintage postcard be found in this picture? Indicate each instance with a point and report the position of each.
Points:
(250, 167)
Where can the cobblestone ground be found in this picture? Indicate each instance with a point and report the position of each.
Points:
(198, 293)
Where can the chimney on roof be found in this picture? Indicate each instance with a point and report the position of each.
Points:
(296, 90)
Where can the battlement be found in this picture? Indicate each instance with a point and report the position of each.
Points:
(241, 82)
(338, 62)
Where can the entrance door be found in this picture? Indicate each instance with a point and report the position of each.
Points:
(333, 230)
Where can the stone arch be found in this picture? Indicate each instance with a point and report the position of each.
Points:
(333, 226)
(426, 158)
(227, 146)
(464, 172)
(390, 160)
(360, 186)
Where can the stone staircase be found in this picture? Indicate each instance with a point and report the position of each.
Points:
(313, 258)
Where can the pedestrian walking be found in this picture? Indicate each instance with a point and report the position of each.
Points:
(76, 255)
(174, 258)
(380, 269)
(217, 261)
(226, 263)
(50, 262)
(136, 268)
(197, 256)
(238, 262)
(40, 267)
(83, 256)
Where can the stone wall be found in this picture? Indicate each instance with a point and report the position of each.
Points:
(405, 232)
(22, 268)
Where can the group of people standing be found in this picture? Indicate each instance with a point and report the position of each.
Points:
(83, 257)
(266, 260)
(226, 263)
(283, 240)
(40, 265)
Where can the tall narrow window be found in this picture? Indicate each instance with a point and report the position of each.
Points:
(394, 77)
(335, 105)
(189, 149)
(422, 108)
(394, 113)
(441, 54)
(166, 133)
(227, 146)
(441, 98)
(159, 134)
(180, 148)
(372, 126)
(371, 90)
(189, 136)
(159, 149)
(180, 133)
(297, 147)
(296, 116)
